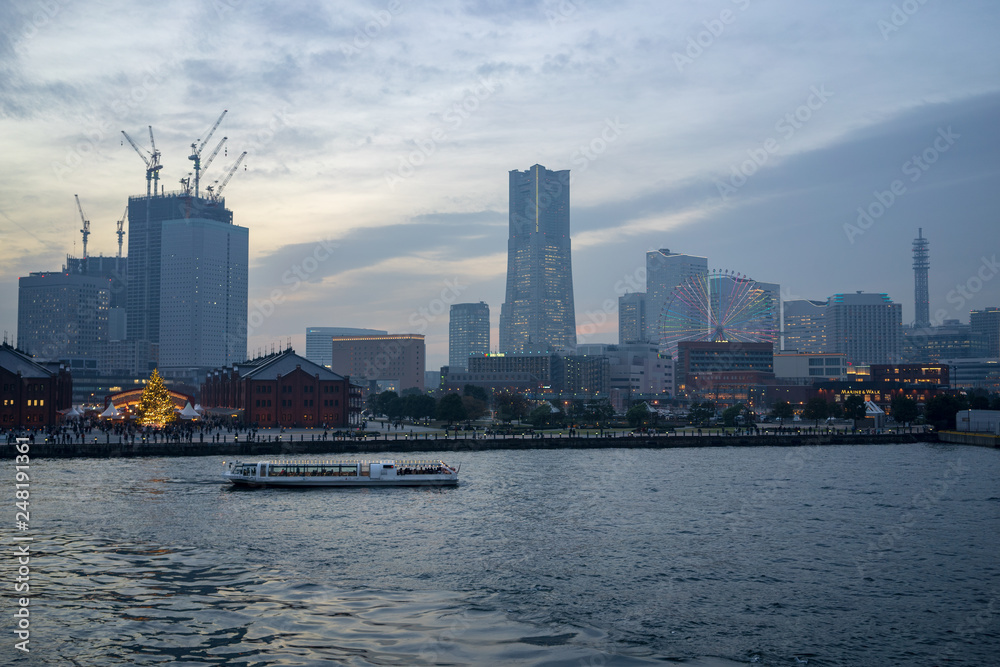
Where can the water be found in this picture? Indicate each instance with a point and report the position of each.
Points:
(855, 555)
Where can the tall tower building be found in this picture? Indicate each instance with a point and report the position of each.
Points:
(538, 311)
(868, 328)
(203, 295)
(632, 318)
(319, 341)
(921, 263)
(185, 255)
(666, 270)
(468, 333)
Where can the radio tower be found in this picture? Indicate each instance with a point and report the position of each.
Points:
(921, 262)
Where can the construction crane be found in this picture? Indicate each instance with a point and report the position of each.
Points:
(121, 231)
(196, 152)
(152, 161)
(86, 226)
(211, 157)
(217, 195)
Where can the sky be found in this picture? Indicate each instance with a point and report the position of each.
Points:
(796, 143)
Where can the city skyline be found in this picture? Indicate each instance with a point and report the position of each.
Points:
(374, 202)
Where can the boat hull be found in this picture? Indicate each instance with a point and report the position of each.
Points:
(306, 483)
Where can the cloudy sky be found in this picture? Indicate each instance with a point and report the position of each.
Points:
(380, 135)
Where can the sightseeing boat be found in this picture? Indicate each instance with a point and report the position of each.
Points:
(341, 473)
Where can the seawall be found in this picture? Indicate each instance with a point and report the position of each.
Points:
(373, 445)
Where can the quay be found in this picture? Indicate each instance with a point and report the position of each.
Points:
(301, 444)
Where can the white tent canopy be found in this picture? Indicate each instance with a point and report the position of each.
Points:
(188, 412)
(111, 412)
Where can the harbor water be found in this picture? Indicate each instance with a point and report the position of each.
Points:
(839, 555)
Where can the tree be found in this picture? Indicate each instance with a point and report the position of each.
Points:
(412, 391)
(598, 410)
(510, 406)
(474, 408)
(419, 406)
(543, 416)
(836, 410)
(904, 409)
(156, 407)
(395, 408)
(940, 410)
(638, 415)
(701, 413)
(730, 414)
(476, 392)
(782, 410)
(854, 408)
(816, 409)
(382, 402)
(979, 399)
(450, 408)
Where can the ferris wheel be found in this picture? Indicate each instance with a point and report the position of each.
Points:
(720, 306)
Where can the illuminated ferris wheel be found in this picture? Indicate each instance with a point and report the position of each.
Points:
(720, 306)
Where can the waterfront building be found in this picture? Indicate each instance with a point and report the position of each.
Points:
(31, 393)
(319, 341)
(538, 309)
(632, 318)
(468, 333)
(382, 362)
(803, 328)
(283, 389)
(665, 271)
(866, 327)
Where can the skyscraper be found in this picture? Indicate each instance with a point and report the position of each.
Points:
(632, 318)
(63, 316)
(319, 341)
(186, 255)
(666, 270)
(868, 328)
(921, 263)
(985, 325)
(538, 311)
(203, 296)
(468, 333)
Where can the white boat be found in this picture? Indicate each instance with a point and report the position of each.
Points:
(341, 473)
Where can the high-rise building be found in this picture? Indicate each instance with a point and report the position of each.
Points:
(665, 271)
(319, 341)
(395, 361)
(867, 327)
(203, 294)
(538, 310)
(803, 329)
(468, 333)
(632, 318)
(63, 316)
(146, 216)
(921, 264)
(115, 270)
(985, 325)
(951, 340)
(191, 246)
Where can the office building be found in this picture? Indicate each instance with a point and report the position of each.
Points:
(381, 362)
(985, 329)
(63, 316)
(804, 326)
(632, 318)
(665, 271)
(866, 327)
(468, 333)
(809, 368)
(203, 295)
(951, 340)
(115, 270)
(538, 310)
(319, 341)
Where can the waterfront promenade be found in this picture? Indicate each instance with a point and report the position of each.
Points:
(312, 442)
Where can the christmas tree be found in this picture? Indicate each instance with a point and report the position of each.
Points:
(156, 408)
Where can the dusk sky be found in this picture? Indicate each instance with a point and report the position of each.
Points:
(380, 135)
